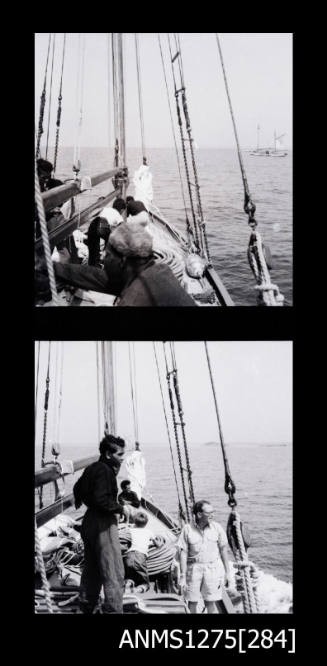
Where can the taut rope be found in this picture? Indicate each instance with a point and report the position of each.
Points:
(140, 97)
(188, 226)
(239, 551)
(269, 292)
(49, 112)
(178, 449)
(180, 508)
(59, 108)
(42, 104)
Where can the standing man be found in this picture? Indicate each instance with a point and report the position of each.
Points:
(103, 563)
(204, 559)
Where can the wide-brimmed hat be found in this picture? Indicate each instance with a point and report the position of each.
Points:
(132, 240)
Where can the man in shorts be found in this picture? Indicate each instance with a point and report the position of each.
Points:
(204, 560)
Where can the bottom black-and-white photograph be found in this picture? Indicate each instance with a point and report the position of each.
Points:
(163, 477)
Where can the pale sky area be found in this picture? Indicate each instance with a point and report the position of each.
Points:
(253, 383)
(259, 72)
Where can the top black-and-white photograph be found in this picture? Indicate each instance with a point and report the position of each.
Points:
(163, 169)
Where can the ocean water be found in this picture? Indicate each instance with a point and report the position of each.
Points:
(270, 182)
(262, 474)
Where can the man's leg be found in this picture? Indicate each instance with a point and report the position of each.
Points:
(112, 569)
(193, 606)
(211, 607)
(211, 587)
(90, 585)
(193, 582)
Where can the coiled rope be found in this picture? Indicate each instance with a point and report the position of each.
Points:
(159, 559)
(140, 97)
(49, 112)
(59, 108)
(244, 565)
(269, 292)
(180, 508)
(41, 566)
(45, 240)
(42, 104)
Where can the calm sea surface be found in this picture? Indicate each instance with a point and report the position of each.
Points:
(270, 182)
(262, 474)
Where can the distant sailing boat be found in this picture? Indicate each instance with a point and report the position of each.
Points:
(277, 151)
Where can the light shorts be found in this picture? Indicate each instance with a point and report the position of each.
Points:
(204, 581)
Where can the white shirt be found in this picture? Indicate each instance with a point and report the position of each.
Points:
(112, 216)
(141, 537)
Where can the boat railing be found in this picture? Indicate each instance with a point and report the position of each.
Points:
(161, 515)
(65, 229)
(51, 473)
(55, 470)
(59, 195)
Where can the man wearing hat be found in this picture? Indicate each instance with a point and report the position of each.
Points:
(130, 272)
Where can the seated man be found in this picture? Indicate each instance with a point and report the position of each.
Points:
(127, 496)
(135, 560)
(134, 207)
(130, 272)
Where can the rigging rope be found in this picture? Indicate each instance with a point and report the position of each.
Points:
(249, 600)
(182, 423)
(108, 90)
(201, 221)
(132, 375)
(269, 292)
(179, 455)
(37, 381)
(59, 371)
(140, 97)
(188, 226)
(45, 240)
(109, 408)
(98, 388)
(180, 508)
(42, 104)
(59, 108)
(230, 488)
(46, 405)
(180, 124)
(45, 422)
(115, 98)
(79, 104)
(49, 113)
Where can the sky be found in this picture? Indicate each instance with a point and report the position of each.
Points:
(259, 72)
(253, 382)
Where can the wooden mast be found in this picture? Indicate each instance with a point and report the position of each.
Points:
(119, 110)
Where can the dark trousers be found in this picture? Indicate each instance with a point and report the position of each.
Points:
(103, 566)
(135, 567)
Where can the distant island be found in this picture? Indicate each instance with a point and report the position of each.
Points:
(248, 443)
